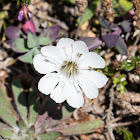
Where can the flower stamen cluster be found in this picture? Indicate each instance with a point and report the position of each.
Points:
(69, 68)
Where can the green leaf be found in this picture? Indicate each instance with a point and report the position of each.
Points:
(124, 83)
(89, 11)
(121, 46)
(49, 35)
(127, 135)
(6, 117)
(6, 104)
(37, 51)
(70, 1)
(22, 125)
(105, 23)
(116, 8)
(32, 40)
(126, 5)
(81, 128)
(127, 66)
(4, 126)
(115, 80)
(31, 130)
(28, 57)
(44, 40)
(6, 133)
(49, 136)
(20, 99)
(18, 45)
(67, 111)
(34, 106)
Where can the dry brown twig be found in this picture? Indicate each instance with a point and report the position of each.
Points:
(136, 24)
(109, 115)
(108, 11)
(114, 125)
(81, 6)
(136, 5)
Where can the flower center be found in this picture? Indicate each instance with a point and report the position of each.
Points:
(69, 68)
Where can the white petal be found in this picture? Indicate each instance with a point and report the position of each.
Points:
(54, 53)
(99, 79)
(47, 83)
(92, 60)
(88, 86)
(95, 77)
(79, 48)
(57, 94)
(43, 66)
(74, 96)
(66, 44)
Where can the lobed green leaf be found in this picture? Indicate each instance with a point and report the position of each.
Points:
(32, 40)
(18, 45)
(28, 57)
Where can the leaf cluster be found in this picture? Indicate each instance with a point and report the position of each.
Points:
(131, 64)
(23, 119)
(120, 83)
(127, 135)
(32, 44)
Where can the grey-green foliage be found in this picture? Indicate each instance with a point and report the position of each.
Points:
(23, 119)
(22, 124)
(35, 42)
(32, 44)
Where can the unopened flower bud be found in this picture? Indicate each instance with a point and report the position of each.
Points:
(26, 17)
(29, 25)
(24, 13)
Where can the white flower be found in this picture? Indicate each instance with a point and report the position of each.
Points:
(68, 69)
